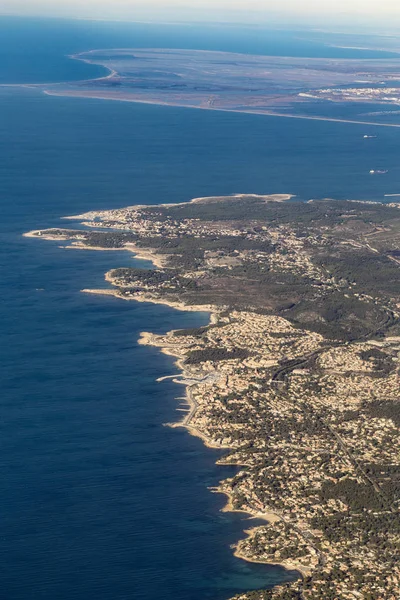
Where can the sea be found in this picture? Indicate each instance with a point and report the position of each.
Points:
(99, 500)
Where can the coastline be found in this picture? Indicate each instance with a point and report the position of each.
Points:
(186, 379)
(113, 73)
(94, 96)
(140, 253)
(198, 200)
(287, 564)
(147, 298)
(259, 386)
(158, 260)
(51, 89)
(149, 339)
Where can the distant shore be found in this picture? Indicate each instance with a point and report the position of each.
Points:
(269, 113)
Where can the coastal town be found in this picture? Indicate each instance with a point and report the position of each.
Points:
(386, 95)
(296, 377)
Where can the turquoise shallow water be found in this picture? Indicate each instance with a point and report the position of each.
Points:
(98, 499)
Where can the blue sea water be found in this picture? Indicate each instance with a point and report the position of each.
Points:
(98, 500)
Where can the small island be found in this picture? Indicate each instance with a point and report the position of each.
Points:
(296, 376)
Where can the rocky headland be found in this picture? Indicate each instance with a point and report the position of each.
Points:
(296, 376)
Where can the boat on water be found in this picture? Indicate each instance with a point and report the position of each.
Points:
(378, 171)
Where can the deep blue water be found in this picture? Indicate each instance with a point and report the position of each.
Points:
(98, 500)
(359, 111)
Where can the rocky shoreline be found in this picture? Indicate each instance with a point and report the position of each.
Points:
(296, 376)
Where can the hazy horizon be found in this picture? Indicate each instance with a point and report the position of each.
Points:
(348, 13)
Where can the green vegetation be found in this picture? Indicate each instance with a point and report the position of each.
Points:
(216, 354)
(310, 292)
(114, 239)
(384, 410)
(312, 214)
(373, 273)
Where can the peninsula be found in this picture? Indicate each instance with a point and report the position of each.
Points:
(304, 88)
(296, 376)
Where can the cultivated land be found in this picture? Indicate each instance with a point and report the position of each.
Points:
(281, 86)
(297, 375)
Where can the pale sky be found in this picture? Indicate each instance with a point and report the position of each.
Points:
(204, 9)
